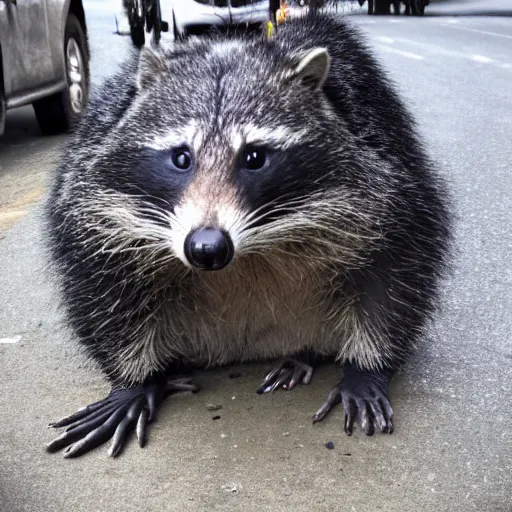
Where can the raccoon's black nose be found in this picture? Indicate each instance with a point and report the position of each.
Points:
(209, 249)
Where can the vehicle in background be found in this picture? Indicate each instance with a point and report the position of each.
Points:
(194, 17)
(414, 7)
(44, 61)
(144, 16)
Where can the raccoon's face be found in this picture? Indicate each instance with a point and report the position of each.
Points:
(230, 137)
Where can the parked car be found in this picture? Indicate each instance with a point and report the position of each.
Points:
(196, 16)
(44, 61)
(414, 7)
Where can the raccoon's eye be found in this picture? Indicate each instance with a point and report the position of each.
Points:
(181, 159)
(254, 158)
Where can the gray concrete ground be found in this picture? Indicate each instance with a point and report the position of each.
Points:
(452, 447)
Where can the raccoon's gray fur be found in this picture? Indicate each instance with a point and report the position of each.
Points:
(339, 239)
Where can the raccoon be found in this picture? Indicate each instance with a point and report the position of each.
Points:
(236, 198)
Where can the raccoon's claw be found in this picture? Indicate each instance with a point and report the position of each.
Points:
(121, 411)
(286, 375)
(364, 396)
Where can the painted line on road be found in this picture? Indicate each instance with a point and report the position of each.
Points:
(16, 339)
(409, 55)
(437, 50)
(481, 58)
(505, 36)
(384, 39)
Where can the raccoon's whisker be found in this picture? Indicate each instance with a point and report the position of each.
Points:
(289, 206)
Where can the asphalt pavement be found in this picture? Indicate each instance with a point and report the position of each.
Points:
(452, 446)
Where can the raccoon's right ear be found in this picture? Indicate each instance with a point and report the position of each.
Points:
(313, 67)
(152, 64)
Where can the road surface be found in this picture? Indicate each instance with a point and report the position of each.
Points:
(452, 447)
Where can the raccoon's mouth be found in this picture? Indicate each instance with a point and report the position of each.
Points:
(209, 249)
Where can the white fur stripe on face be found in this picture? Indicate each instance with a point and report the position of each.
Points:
(188, 216)
(281, 137)
(190, 134)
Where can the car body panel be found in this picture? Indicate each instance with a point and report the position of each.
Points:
(31, 41)
(192, 12)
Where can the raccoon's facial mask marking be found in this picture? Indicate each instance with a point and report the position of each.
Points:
(162, 174)
(215, 210)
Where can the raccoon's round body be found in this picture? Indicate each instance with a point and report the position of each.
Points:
(330, 224)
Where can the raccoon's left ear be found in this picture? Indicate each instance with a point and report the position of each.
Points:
(152, 64)
(313, 67)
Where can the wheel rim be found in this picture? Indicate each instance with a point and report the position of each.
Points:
(75, 76)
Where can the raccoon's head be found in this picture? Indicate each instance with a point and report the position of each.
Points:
(234, 144)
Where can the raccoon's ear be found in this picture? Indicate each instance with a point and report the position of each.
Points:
(313, 67)
(152, 64)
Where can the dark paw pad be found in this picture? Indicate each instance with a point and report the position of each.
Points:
(122, 411)
(365, 401)
(286, 375)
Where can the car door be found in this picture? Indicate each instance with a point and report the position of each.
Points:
(27, 58)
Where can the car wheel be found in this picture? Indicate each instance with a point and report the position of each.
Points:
(417, 7)
(137, 20)
(382, 7)
(61, 112)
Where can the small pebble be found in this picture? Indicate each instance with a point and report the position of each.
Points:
(347, 454)
(216, 417)
(212, 407)
(329, 445)
(286, 433)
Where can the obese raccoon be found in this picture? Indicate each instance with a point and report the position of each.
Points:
(233, 199)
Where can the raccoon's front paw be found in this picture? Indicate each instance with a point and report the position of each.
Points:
(364, 396)
(115, 416)
(286, 375)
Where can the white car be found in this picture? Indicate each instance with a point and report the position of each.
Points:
(194, 17)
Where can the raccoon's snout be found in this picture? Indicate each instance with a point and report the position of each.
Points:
(209, 249)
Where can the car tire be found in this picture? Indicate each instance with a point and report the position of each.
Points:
(137, 23)
(417, 7)
(382, 7)
(137, 34)
(61, 112)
